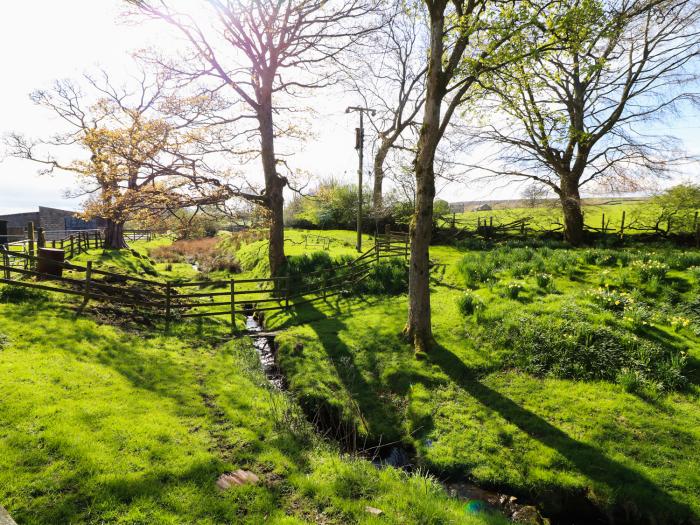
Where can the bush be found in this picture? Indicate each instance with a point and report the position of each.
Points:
(571, 348)
(468, 303)
(4, 341)
(21, 294)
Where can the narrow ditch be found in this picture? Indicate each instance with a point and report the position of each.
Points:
(475, 498)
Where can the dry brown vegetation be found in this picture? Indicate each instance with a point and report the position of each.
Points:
(206, 253)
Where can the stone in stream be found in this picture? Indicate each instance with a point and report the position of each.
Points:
(528, 515)
(239, 477)
(480, 500)
(373, 510)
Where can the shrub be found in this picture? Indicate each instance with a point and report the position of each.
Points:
(4, 341)
(468, 303)
(21, 294)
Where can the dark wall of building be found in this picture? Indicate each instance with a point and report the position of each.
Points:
(51, 220)
(20, 220)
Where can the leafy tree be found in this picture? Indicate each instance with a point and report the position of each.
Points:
(138, 159)
(579, 112)
(678, 206)
(467, 39)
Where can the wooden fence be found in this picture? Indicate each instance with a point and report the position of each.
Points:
(486, 227)
(179, 300)
(72, 242)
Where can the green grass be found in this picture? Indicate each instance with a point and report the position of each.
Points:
(102, 426)
(514, 417)
(546, 217)
(470, 409)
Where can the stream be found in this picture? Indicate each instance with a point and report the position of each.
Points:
(476, 499)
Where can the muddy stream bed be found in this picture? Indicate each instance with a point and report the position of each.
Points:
(475, 498)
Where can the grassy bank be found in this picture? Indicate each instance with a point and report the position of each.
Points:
(582, 386)
(102, 426)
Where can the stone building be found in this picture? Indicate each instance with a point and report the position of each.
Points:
(54, 221)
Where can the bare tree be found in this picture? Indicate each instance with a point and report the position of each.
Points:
(535, 194)
(388, 73)
(262, 53)
(467, 39)
(133, 158)
(580, 113)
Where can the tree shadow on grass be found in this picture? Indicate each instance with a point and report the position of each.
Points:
(381, 421)
(648, 498)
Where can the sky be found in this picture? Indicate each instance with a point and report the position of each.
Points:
(45, 40)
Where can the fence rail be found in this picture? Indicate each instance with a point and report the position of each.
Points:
(455, 228)
(176, 300)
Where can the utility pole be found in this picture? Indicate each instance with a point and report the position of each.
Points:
(359, 146)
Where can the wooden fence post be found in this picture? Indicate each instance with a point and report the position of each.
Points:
(88, 280)
(286, 292)
(622, 226)
(30, 236)
(6, 264)
(40, 238)
(167, 306)
(71, 246)
(233, 307)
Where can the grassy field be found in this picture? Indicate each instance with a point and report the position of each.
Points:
(550, 216)
(570, 377)
(102, 426)
(582, 386)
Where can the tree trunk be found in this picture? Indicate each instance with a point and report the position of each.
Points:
(419, 327)
(274, 185)
(114, 235)
(377, 196)
(571, 206)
